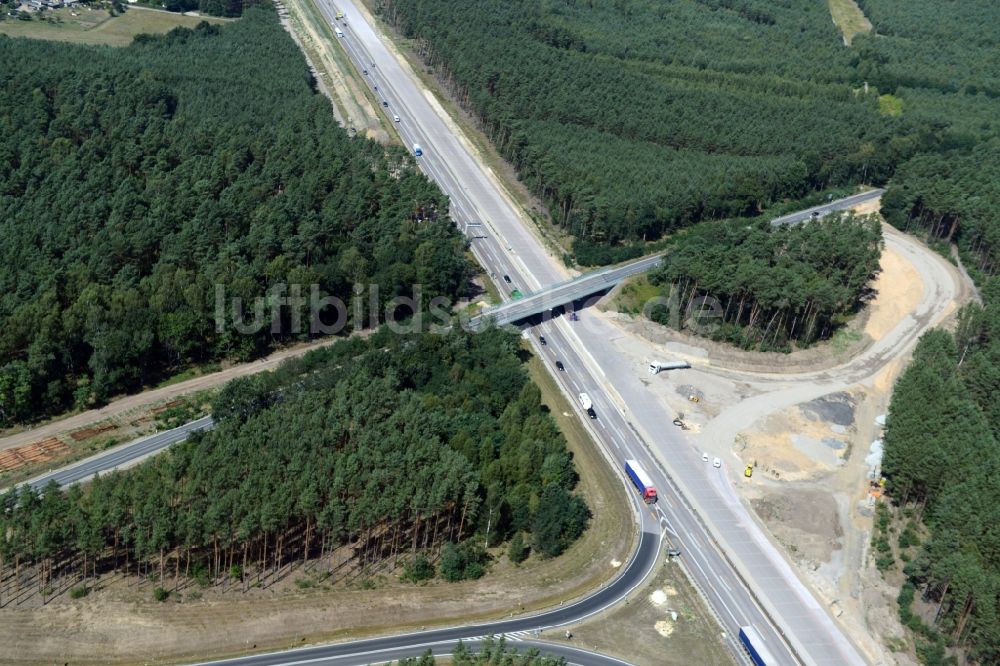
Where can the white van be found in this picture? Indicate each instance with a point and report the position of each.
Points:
(339, 32)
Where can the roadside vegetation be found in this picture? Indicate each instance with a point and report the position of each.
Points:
(417, 450)
(942, 440)
(136, 184)
(952, 198)
(492, 652)
(764, 287)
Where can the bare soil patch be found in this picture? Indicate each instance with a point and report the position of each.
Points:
(849, 18)
(87, 433)
(806, 521)
(899, 289)
(29, 454)
(801, 442)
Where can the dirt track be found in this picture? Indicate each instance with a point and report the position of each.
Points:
(155, 396)
(810, 484)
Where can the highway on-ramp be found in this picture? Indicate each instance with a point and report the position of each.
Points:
(516, 630)
(741, 574)
(374, 653)
(738, 571)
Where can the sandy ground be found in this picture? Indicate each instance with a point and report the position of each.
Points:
(333, 71)
(116, 625)
(663, 622)
(806, 421)
(899, 288)
(140, 401)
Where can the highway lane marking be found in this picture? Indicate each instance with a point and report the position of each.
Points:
(708, 581)
(603, 424)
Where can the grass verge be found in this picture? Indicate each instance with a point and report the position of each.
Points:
(662, 623)
(633, 295)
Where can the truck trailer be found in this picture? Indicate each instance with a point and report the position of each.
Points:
(641, 481)
(754, 645)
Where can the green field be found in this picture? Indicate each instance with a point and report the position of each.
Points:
(96, 26)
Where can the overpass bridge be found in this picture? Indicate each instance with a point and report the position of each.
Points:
(560, 294)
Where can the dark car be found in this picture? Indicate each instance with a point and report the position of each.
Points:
(506, 278)
(385, 104)
(560, 367)
(541, 338)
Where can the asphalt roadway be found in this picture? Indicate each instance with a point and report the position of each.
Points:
(741, 574)
(558, 295)
(120, 457)
(824, 209)
(382, 655)
(382, 650)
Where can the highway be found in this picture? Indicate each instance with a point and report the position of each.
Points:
(119, 457)
(554, 296)
(824, 209)
(741, 574)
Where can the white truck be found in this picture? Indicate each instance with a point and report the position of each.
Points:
(656, 367)
(587, 405)
(338, 32)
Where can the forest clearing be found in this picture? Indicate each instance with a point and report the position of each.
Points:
(87, 25)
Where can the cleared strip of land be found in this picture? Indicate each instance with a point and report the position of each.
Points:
(850, 19)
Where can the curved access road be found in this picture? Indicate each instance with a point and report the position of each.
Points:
(742, 576)
(442, 641)
(369, 654)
